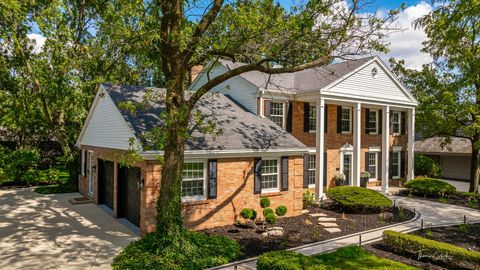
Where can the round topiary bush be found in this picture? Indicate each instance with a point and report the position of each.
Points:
(281, 210)
(265, 202)
(429, 187)
(358, 200)
(427, 167)
(267, 211)
(246, 213)
(254, 214)
(288, 260)
(270, 218)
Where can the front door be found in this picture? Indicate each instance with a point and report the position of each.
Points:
(91, 172)
(347, 167)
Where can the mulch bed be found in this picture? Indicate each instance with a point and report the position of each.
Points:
(304, 229)
(466, 236)
(455, 199)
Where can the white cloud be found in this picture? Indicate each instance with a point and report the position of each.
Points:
(38, 40)
(407, 43)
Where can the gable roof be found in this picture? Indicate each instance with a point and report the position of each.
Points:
(304, 81)
(434, 146)
(239, 129)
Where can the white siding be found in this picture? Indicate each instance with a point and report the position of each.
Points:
(363, 85)
(237, 87)
(107, 127)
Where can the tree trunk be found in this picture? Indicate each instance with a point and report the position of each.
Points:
(474, 169)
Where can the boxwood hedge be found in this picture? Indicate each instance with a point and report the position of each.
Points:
(358, 200)
(429, 187)
(434, 250)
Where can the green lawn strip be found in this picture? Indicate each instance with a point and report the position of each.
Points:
(354, 257)
(63, 185)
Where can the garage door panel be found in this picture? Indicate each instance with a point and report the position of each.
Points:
(129, 194)
(105, 177)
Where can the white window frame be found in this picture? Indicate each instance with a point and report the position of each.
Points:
(83, 157)
(91, 179)
(399, 123)
(349, 120)
(376, 121)
(205, 171)
(398, 153)
(314, 169)
(314, 119)
(376, 165)
(278, 115)
(343, 152)
(270, 190)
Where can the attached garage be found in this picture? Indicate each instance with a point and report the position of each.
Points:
(105, 182)
(129, 180)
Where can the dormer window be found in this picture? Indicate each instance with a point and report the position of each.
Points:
(277, 113)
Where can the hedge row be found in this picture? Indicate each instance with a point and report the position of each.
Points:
(434, 250)
(429, 187)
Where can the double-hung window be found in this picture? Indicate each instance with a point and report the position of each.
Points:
(373, 121)
(346, 120)
(193, 180)
(372, 164)
(396, 122)
(395, 164)
(270, 176)
(312, 118)
(277, 113)
(311, 170)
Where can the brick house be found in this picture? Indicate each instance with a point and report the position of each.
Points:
(272, 142)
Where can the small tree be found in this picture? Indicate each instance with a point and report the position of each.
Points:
(269, 216)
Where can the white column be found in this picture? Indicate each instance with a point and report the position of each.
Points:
(411, 144)
(385, 147)
(320, 137)
(357, 149)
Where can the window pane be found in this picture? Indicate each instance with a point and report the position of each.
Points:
(372, 118)
(269, 174)
(192, 179)
(312, 118)
(345, 119)
(372, 164)
(276, 113)
(311, 169)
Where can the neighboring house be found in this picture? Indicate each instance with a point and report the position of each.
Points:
(223, 173)
(272, 144)
(454, 158)
(366, 119)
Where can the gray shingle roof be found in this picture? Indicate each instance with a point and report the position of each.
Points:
(304, 81)
(434, 145)
(239, 129)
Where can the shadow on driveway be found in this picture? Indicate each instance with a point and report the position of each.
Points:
(47, 232)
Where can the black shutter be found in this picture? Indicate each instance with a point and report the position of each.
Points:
(212, 179)
(366, 161)
(289, 116)
(380, 121)
(325, 118)
(379, 165)
(339, 119)
(325, 169)
(390, 163)
(267, 106)
(403, 123)
(367, 121)
(391, 122)
(284, 167)
(257, 167)
(402, 164)
(306, 114)
(306, 158)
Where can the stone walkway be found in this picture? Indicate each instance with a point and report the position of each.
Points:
(432, 214)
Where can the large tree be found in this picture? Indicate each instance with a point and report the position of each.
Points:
(449, 89)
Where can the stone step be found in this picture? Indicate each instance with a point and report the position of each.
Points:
(318, 215)
(328, 224)
(326, 219)
(333, 230)
(304, 211)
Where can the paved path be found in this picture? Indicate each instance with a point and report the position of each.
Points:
(460, 185)
(47, 232)
(432, 213)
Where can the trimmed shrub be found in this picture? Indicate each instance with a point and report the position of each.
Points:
(429, 187)
(267, 211)
(427, 167)
(246, 213)
(436, 251)
(254, 214)
(308, 199)
(358, 200)
(193, 251)
(265, 202)
(287, 260)
(270, 218)
(281, 210)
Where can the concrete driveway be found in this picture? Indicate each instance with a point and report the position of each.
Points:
(47, 232)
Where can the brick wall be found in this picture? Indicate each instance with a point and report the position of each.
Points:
(334, 141)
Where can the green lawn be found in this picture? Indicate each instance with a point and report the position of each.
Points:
(64, 185)
(354, 257)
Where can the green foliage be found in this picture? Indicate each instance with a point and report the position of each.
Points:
(358, 200)
(281, 210)
(246, 213)
(270, 218)
(53, 175)
(426, 166)
(254, 214)
(429, 187)
(57, 188)
(267, 211)
(436, 251)
(19, 166)
(192, 250)
(352, 257)
(308, 199)
(265, 202)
